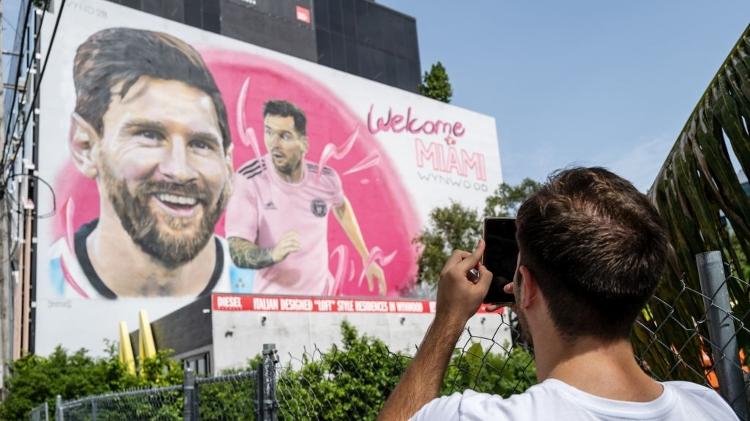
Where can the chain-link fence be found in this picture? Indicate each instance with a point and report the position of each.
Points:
(701, 335)
(246, 395)
(164, 403)
(218, 397)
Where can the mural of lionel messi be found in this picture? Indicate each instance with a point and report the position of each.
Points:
(150, 128)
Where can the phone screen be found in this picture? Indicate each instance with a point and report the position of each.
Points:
(500, 257)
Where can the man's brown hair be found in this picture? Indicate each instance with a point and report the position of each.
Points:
(116, 55)
(597, 248)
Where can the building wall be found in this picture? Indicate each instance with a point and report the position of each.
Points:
(360, 37)
(271, 24)
(394, 155)
(367, 39)
(239, 336)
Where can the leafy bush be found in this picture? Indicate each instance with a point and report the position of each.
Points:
(348, 383)
(502, 374)
(34, 379)
(353, 382)
(342, 383)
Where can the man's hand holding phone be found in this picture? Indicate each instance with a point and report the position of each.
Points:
(508, 289)
(459, 297)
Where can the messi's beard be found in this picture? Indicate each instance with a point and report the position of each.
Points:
(290, 166)
(139, 221)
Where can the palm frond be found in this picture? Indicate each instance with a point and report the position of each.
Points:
(699, 195)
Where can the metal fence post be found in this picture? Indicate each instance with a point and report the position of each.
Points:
(93, 410)
(46, 411)
(59, 416)
(189, 406)
(721, 330)
(270, 358)
(260, 392)
(266, 406)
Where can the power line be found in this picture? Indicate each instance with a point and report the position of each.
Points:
(36, 89)
(10, 129)
(13, 100)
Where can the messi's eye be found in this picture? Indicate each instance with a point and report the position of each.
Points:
(286, 136)
(149, 134)
(202, 144)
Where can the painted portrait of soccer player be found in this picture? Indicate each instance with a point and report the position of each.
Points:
(277, 217)
(150, 129)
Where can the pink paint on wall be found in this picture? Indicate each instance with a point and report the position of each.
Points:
(382, 204)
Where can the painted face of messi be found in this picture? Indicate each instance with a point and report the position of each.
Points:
(285, 145)
(164, 168)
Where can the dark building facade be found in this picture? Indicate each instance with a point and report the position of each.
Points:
(360, 37)
(367, 39)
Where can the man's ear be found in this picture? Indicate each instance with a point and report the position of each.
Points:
(529, 287)
(304, 142)
(82, 140)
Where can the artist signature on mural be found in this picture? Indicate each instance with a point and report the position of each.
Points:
(87, 8)
(59, 304)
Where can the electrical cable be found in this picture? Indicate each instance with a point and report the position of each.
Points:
(36, 88)
(11, 129)
(18, 208)
(18, 75)
(37, 34)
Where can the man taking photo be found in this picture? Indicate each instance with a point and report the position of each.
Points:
(591, 251)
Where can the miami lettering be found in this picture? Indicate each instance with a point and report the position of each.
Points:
(450, 159)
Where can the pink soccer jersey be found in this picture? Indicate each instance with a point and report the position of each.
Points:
(263, 207)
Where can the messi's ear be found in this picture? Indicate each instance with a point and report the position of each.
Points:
(228, 157)
(229, 162)
(82, 140)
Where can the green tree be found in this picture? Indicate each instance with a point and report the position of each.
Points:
(342, 383)
(450, 228)
(435, 84)
(458, 227)
(35, 379)
(506, 199)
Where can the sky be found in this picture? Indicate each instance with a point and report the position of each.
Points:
(579, 82)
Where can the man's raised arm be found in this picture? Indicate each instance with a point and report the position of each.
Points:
(457, 300)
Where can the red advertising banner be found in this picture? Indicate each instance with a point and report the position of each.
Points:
(279, 303)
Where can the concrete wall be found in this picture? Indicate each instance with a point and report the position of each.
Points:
(239, 336)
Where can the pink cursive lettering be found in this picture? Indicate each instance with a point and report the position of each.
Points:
(397, 123)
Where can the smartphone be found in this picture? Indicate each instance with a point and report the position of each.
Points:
(500, 257)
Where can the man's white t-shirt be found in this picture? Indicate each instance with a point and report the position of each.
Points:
(555, 400)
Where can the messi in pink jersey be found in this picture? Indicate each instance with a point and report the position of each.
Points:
(277, 217)
(265, 207)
